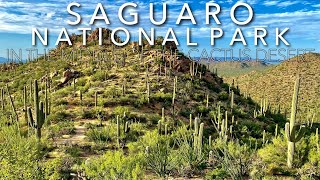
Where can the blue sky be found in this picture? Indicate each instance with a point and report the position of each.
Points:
(17, 18)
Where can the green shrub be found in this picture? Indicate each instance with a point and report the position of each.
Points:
(120, 110)
(101, 134)
(57, 117)
(162, 97)
(223, 96)
(19, 157)
(235, 160)
(187, 158)
(114, 165)
(216, 174)
(274, 155)
(62, 128)
(58, 168)
(159, 157)
(99, 76)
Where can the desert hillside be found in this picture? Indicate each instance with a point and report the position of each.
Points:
(134, 113)
(236, 68)
(276, 83)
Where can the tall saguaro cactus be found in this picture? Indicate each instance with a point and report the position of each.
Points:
(39, 113)
(317, 139)
(294, 132)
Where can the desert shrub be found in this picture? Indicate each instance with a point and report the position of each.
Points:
(99, 76)
(100, 134)
(314, 152)
(81, 82)
(57, 117)
(88, 71)
(20, 157)
(216, 174)
(60, 101)
(159, 157)
(162, 97)
(140, 101)
(112, 92)
(135, 131)
(311, 170)
(62, 128)
(88, 114)
(198, 96)
(188, 159)
(120, 110)
(233, 159)
(148, 139)
(62, 93)
(58, 168)
(223, 96)
(202, 110)
(73, 150)
(273, 156)
(114, 165)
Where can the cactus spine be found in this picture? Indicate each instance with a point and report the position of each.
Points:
(293, 132)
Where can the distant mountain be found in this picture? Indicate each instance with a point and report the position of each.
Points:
(237, 68)
(2, 59)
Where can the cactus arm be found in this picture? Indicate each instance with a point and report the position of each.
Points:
(300, 133)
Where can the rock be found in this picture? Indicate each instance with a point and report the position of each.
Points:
(68, 75)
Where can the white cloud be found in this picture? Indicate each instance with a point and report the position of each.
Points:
(316, 5)
(270, 3)
(281, 3)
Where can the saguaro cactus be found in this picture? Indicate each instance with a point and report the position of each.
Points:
(2, 98)
(264, 137)
(159, 127)
(12, 104)
(162, 114)
(39, 113)
(317, 139)
(294, 132)
(96, 100)
(200, 139)
(232, 99)
(276, 130)
(25, 103)
(118, 131)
